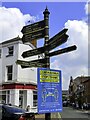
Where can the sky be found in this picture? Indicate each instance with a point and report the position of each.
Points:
(71, 15)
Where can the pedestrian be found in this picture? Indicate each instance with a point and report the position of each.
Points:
(73, 104)
(82, 107)
(77, 106)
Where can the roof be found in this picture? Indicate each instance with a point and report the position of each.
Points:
(82, 79)
(14, 40)
(11, 40)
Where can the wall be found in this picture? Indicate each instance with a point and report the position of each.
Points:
(0, 65)
(26, 74)
(8, 60)
(19, 74)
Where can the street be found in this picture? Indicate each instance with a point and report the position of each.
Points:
(69, 112)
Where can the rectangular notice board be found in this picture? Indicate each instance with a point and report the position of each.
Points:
(49, 90)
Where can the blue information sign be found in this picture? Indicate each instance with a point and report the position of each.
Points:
(49, 90)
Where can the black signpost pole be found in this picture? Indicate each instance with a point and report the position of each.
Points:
(46, 20)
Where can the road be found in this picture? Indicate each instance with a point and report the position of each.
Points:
(68, 113)
(71, 113)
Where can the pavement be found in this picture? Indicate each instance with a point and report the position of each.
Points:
(78, 114)
(54, 116)
(85, 111)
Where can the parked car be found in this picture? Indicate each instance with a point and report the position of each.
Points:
(9, 112)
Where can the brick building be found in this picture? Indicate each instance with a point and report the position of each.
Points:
(79, 89)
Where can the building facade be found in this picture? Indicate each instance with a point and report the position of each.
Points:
(17, 86)
(79, 90)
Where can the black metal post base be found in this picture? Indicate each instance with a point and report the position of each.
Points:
(47, 116)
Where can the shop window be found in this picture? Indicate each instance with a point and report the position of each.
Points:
(20, 98)
(34, 98)
(8, 96)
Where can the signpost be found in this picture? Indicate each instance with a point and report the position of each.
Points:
(53, 43)
(32, 36)
(33, 31)
(49, 81)
(58, 36)
(34, 63)
(49, 90)
(58, 52)
(33, 27)
(46, 39)
(57, 42)
(33, 52)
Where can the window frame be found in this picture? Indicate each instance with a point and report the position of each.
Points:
(9, 72)
(34, 98)
(10, 51)
(0, 53)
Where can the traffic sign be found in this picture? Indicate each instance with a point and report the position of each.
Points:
(34, 63)
(33, 52)
(54, 42)
(49, 90)
(57, 36)
(68, 49)
(32, 36)
(57, 42)
(33, 31)
(33, 27)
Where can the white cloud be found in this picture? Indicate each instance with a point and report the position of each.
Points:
(12, 21)
(74, 63)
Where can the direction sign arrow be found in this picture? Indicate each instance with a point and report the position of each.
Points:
(34, 63)
(59, 41)
(32, 36)
(33, 52)
(33, 31)
(54, 42)
(58, 36)
(68, 49)
(33, 27)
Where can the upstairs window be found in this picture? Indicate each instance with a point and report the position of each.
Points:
(9, 72)
(10, 51)
(0, 53)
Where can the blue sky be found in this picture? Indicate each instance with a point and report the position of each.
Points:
(71, 15)
(60, 12)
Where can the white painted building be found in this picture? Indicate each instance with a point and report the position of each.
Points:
(17, 86)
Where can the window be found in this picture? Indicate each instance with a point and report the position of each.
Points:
(34, 98)
(21, 98)
(10, 51)
(9, 72)
(8, 96)
(0, 53)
